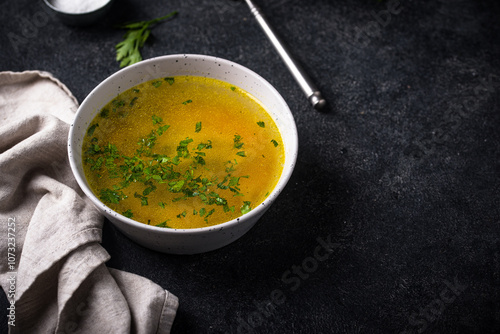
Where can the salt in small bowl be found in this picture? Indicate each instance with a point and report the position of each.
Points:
(79, 13)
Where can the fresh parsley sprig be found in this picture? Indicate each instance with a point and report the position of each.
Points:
(128, 51)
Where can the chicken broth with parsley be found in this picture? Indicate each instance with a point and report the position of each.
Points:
(183, 152)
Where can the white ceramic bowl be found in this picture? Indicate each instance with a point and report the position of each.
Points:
(184, 241)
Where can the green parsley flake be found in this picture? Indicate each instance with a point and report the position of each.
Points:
(202, 146)
(186, 102)
(230, 166)
(176, 186)
(261, 124)
(162, 129)
(117, 104)
(170, 80)
(128, 213)
(156, 119)
(198, 127)
(112, 196)
(132, 102)
(245, 208)
(91, 129)
(209, 214)
(237, 142)
(228, 209)
(144, 199)
(275, 143)
(202, 212)
(151, 187)
(163, 224)
(104, 113)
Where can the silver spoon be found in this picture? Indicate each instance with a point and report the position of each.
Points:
(312, 93)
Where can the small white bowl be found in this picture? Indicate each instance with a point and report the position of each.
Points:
(80, 14)
(197, 240)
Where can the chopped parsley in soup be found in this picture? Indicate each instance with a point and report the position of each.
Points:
(183, 152)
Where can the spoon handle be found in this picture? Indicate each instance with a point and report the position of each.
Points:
(312, 93)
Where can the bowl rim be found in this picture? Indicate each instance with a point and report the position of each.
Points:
(58, 10)
(256, 212)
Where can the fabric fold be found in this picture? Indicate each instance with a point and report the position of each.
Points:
(61, 281)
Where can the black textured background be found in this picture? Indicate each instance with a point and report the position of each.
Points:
(401, 174)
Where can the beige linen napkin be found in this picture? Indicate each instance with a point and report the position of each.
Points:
(52, 267)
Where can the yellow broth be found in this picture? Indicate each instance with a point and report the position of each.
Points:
(183, 152)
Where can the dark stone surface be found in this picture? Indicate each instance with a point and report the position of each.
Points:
(401, 173)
